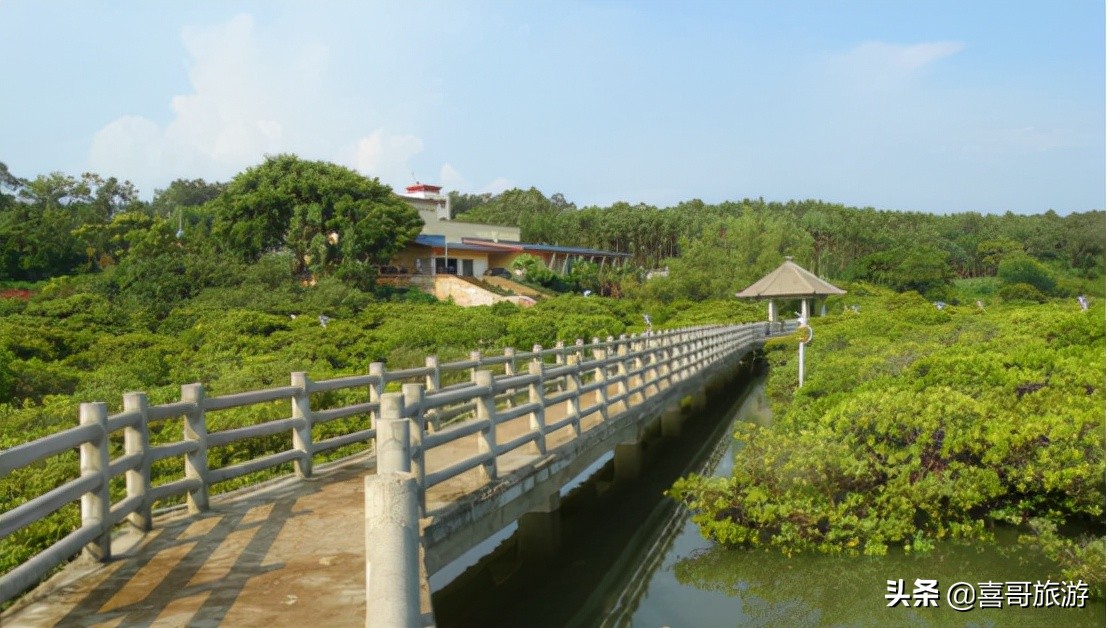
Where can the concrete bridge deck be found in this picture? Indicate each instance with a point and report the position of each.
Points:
(291, 549)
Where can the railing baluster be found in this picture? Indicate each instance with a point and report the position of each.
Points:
(535, 394)
(413, 410)
(302, 435)
(95, 505)
(196, 462)
(573, 384)
(600, 375)
(137, 440)
(486, 413)
(434, 378)
(621, 371)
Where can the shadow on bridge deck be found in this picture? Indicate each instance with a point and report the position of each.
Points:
(293, 549)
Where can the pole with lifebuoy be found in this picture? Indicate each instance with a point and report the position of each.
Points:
(803, 325)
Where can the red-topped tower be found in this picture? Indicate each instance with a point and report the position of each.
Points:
(424, 189)
(426, 197)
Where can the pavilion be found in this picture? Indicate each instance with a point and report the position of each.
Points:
(787, 282)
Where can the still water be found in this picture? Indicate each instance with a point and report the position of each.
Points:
(630, 557)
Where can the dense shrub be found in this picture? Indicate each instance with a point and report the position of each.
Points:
(1022, 269)
(1018, 292)
(940, 425)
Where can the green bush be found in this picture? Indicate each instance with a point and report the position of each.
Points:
(942, 424)
(1021, 292)
(1022, 269)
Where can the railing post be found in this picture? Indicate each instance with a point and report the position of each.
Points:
(196, 462)
(509, 371)
(392, 551)
(376, 389)
(640, 373)
(560, 356)
(392, 580)
(621, 371)
(536, 357)
(136, 440)
(96, 504)
(394, 452)
(573, 384)
(302, 435)
(600, 375)
(474, 356)
(667, 358)
(413, 408)
(652, 364)
(486, 413)
(434, 378)
(683, 355)
(579, 349)
(536, 393)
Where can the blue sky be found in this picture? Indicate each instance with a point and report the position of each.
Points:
(926, 106)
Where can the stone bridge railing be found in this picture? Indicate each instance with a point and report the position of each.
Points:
(598, 378)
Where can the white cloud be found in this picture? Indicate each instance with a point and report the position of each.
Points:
(880, 61)
(386, 156)
(450, 178)
(252, 94)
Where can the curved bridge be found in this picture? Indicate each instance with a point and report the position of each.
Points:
(453, 462)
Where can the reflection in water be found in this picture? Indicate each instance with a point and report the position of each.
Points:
(756, 408)
(766, 588)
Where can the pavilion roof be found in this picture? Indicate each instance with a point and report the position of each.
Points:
(789, 280)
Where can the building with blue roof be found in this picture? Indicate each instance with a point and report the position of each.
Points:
(449, 247)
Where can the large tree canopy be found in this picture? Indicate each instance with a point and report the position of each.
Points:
(333, 219)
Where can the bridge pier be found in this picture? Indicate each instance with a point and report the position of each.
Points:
(540, 531)
(628, 460)
(699, 400)
(672, 418)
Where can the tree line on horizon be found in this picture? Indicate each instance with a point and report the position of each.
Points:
(335, 221)
(717, 249)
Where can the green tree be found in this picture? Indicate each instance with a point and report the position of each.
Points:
(334, 220)
(184, 193)
(1017, 269)
(730, 254)
(994, 250)
(925, 269)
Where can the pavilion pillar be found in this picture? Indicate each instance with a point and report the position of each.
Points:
(772, 311)
(804, 310)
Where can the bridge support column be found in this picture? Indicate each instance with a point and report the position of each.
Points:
(628, 460)
(699, 400)
(672, 418)
(540, 531)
